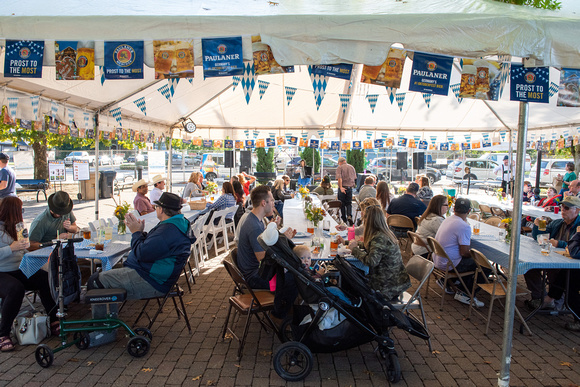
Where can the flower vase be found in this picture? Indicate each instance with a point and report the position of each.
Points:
(121, 227)
(508, 235)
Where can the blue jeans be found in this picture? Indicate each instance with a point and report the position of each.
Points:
(303, 182)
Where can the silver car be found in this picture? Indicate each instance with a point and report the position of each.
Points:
(480, 169)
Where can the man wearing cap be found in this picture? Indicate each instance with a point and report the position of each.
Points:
(159, 185)
(560, 231)
(346, 176)
(57, 219)
(156, 258)
(454, 235)
(141, 202)
(408, 204)
(7, 178)
(506, 172)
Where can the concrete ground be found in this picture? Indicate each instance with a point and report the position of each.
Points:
(462, 355)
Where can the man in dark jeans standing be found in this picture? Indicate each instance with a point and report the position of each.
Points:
(346, 175)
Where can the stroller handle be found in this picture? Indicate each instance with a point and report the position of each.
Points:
(52, 242)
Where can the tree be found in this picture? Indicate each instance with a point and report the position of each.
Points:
(265, 161)
(307, 154)
(542, 4)
(356, 158)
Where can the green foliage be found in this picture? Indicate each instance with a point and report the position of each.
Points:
(542, 4)
(356, 158)
(265, 161)
(306, 155)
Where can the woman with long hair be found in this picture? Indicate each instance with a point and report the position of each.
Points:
(246, 180)
(193, 189)
(380, 252)
(239, 192)
(226, 200)
(425, 192)
(13, 283)
(384, 195)
(430, 221)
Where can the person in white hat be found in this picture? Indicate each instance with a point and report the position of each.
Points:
(158, 187)
(141, 202)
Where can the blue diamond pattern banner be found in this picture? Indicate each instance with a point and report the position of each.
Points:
(235, 82)
(290, 91)
(400, 97)
(248, 80)
(262, 87)
(372, 98)
(504, 71)
(116, 113)
(53, 109)
(553, 89)
(164, 90)
(319, 83)
(427, 98)
(391, 93)
(455, 89)
(35, 101)
(140, 102)
(71, 116)
(344, 101)
(12, 107)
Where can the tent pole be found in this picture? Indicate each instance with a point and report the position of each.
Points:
(508, 324)
(97, 138)
(169, 168)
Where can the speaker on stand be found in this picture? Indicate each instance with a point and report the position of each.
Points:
(245, 161)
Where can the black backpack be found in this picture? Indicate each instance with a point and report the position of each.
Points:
(71, 279)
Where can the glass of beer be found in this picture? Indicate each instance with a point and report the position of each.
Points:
(476, 228)
(542, 224)
(86, 233)
(545, 248)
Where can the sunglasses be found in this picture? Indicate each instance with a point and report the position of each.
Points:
(563, 207)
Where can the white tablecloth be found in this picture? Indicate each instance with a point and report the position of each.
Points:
(527, 209)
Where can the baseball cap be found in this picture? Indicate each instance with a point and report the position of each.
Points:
(571, 201)
(462, 205)
(4, 156)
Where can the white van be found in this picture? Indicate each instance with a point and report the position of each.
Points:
(549, 169)
(498, 158)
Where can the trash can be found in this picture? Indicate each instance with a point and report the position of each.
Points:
(106, 184)
(88, 187)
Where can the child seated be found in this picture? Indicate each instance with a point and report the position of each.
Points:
(303, 252)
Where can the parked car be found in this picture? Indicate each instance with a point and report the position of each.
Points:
(79, 156)
(104, 160)
(380, 167)
(480, 169)
(550, 168)
(140, 157)
(498, 158)
(178, 160)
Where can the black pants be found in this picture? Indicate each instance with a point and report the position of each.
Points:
(286, 293)
(346, 200)
(534, 281)
(558, 286)
(13, 285)
(468, 264)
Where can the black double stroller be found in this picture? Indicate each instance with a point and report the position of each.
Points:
(363, 316)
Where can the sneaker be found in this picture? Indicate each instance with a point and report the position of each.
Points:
(573, 326)
(448, 290)
(533, 304)
(465, 299)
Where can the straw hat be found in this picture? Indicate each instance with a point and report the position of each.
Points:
(139, 184)
(157, 179)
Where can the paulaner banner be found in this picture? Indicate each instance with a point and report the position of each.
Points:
(23, 58)
(389, 73)
(222, 57)
(124, 60)
(341, 71)
(480, 79)
(173, 58)
(529, 84)
(74, 60)
(264, 62)
(430, 73)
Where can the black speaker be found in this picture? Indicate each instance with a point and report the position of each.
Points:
(308, 171)
(419, 160)
(401, 160)
(229, 159)
(245, 160)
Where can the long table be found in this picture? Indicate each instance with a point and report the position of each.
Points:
(152, 221)
(527, 209)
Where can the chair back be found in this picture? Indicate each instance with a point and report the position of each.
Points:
(494, 221)
(240, 282)
(473, 216)
(326, 198)
(438, 249)
(234, 256)
(481, 260)
(334, 204)
(419, 268)
(485, 210)
(496, 211)
(400, 221)
(474, 205)
(416, 239)
(417, 220)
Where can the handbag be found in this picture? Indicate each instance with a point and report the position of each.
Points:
(31, 329)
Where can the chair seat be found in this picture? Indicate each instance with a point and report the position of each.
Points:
(450, 274)
(243, 302)
(499, 292)
(403, 302)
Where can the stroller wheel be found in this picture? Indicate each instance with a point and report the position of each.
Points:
(84, 340)
(393, 367)
(44, 356)
(293, 361)
(138, 346)
(286, 330)
(144, 332)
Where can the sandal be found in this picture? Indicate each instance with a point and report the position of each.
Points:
(6, 344)
(55, 328)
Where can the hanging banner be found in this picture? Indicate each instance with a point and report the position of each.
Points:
(367, 145)
(124, 60)
(222, 57)
(476, 145)
(569, 90)
(356, 145)
(229, 144)
(480, 79)
(270, 142)
(249, 144)
(280, 140)
(314, 143)
(341, 70)
(529, 84)
(402, 142)
(346, 145)
(389, 73)
(207, 143)
(444, 146)
(74, 60)
(430, 73)
(335, 145)
(239, 144)
(217, 143)
(260, 143)
(264, 62)
(324, 145)
(465, 146)
(454, 146)
(303, 143)
(292, 140)
(23, 58)
(423, 144)
(379, 143)
(173, 58)
(411, 144)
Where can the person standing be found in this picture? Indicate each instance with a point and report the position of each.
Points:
(158, 187)
(7, 178)
(569, 177)
(346, 175)
(506, 173)
(304, 178)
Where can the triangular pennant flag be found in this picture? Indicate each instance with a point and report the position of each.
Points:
(256, 133)
(455, 88)
(504, 71)
(116, 113)
(12, 106)
(400, 97)
(247, 133)
(53, 109)
(467, 137)
(321, 134)
(102, 75)
(553, 89)
(433, 139)
(372, 98)
(290, 91)
(391, 93)
(71, 116)
(344, 101)
(369, 134)
(485, 137)
(35, 101)
(172, 83)
(427, 98)
(319, 83)
(262, 86)
(248, 80)
(191, 81)
(87, 120)
(140, 102)
(502, 134)
(164, 90)
(384, 135)
(235, 82)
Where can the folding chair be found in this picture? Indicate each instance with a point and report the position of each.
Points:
(230, 225)
(473, 216)
(248, 304)
(326, 198)
(196, 251)
(493, 221)
(333, 208)
(215, 229)
(450, 272)
(485, 211)
(417, 240)
(496, 211)
(420, 269)
(400, 224)
(175, 292)
(496, 289)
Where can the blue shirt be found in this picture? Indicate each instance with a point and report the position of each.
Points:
(7, 175)
(248, 246)
(407, 205)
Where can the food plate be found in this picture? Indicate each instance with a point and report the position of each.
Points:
(301, 234)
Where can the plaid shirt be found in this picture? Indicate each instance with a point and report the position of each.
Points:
(223, 202)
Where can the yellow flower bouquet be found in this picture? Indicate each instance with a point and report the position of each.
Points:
(120, 211)
(507, 224)
(314, 214)
(211, 187)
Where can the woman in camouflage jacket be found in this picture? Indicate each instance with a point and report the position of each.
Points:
(380, 252)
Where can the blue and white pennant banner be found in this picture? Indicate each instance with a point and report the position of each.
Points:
(71, 116)
(235, 82)
(391, 93)
(319, 83)
(12, 106)
(553, 89)
(504, 71)
(87, 119)
(400, 97)
(140, 102)
(290, 91)
(369, 134)
(344, 101)
(321, 134)
(53, 109)
(164, 90)
(455, 88)
(248, 80)
(427, 98)
(433, 139)
(262, 87)
(35, 101)
(372, 98)
(116, 113)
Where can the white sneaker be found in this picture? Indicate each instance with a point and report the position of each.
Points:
(448, 290)
(465, 299)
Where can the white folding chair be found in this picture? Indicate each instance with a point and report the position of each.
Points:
(215, 229)
(230, 225)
